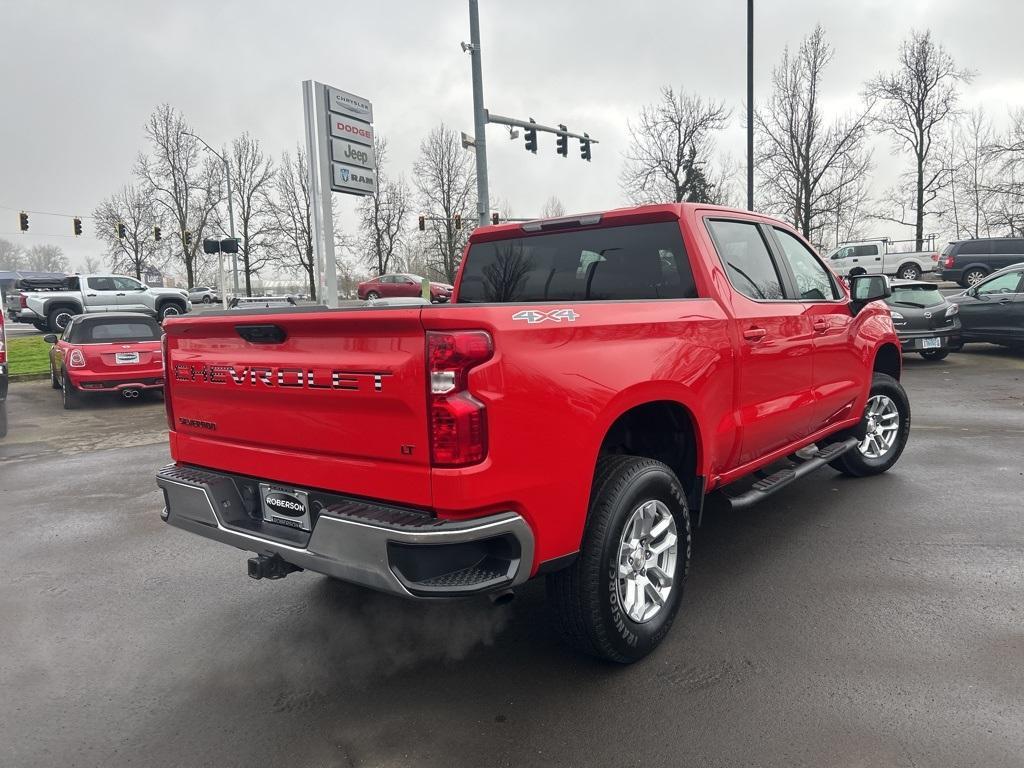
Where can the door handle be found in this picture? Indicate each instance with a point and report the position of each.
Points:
(120, 294)
(91, 295)
(821, 325)
(1004, 301)
(754, 334)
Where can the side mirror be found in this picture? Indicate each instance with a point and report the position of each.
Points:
(50, 338)
(867, 288)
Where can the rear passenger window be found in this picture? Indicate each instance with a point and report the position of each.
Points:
(745, 257)
(644, 261)
(974, 247)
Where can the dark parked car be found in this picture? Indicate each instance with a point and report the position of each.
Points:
(925, 322)
(993, 310)
(968, 261)
(390, 286)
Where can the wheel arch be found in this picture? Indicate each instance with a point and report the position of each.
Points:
(164, 300)
(888, 360)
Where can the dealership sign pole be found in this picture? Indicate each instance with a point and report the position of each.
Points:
(339, 149)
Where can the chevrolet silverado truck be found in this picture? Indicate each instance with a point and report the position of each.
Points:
(565, 416)
(51, 306)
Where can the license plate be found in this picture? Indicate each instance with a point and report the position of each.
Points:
(126, 358)
(931, 343)
(285, 506)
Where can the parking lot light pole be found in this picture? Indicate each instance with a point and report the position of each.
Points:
(483, 204)
(231, 216)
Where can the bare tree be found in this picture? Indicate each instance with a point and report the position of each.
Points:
(91, 265)
(133, 208)
(186, 183)
(46, 258)
(804, 162)
(445, 176)
(916, 100)
(971, 195)
(12, 255)
(292, 217)
(382, 216)
(252, 176)
(1008, 190)
(672, 146)
(552, 209)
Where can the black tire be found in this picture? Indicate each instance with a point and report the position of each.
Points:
(973, 276)
(935, 354)
(3, 418)
(583, 598)
(41, 327)
(854, 463)
(170, 309)
(858, 271)
(908, 272)
(54, 381)
(69, 395)
(58, 319)
(207, 299)
(372, 295)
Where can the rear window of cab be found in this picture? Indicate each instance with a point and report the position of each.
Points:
(122, 331)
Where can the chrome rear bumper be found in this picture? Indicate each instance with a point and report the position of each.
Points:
(402, 551)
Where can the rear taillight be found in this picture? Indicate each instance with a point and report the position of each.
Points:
(458, 421)
(948, 262)
(935, 257)
(23, 301)
(76, 359)
(167, 384)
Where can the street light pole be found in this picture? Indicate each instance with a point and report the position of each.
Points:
(231, 218)
(750, 105)
(483, 204)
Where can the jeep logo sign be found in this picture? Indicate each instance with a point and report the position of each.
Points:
(352, 154)
(352, 130)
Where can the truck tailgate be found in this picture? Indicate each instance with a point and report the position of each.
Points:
(327, 399)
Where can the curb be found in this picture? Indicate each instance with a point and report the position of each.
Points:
(29, 377)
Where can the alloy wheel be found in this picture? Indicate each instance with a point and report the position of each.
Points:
(883, 424)
(647, 561)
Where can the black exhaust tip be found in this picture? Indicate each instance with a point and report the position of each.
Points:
(504, 597)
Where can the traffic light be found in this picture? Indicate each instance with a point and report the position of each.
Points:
(423, 223)
(495, 218)
(531, 138)
(458, 221)
(188, 238)
(562, 144)
(23, 221)
(77, 225)
(121, 231)
(585, 147)
(157, 234)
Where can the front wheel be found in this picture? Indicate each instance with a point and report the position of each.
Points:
(909, 272)
(3, 418)
(886, 429)
(207, 299)
(935, 354)
(54, 381)
(372, 296)
(618, 599)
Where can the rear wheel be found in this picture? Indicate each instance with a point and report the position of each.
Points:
(171, 309)
(69, 395)
(618, 599)
(372, 295)
(207, 299)
(3, 418)
(909, 272)
(887, 427)
(935, 354)
(974, 276)
(58, 319)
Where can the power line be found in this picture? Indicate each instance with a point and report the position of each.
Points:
(47, 213)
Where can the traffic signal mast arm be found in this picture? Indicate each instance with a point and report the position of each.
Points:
(502, 120)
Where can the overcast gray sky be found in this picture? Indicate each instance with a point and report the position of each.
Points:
(80, 78)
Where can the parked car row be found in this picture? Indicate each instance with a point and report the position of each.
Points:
(933, 325)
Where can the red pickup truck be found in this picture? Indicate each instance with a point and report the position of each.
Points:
(592, 380)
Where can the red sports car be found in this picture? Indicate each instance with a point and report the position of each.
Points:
(106, 352)
(387, 286)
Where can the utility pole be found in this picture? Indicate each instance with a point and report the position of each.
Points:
(231, 218)
(483, 203)
(750, 105)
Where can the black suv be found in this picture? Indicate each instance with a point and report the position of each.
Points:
(968, 261)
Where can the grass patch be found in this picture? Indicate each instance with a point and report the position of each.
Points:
(28, 355)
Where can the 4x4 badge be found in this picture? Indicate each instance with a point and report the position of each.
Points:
(534, 316)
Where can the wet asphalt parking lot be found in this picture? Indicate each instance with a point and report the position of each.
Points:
(875, 622)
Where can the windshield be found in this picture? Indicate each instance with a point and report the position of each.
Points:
(915, 296)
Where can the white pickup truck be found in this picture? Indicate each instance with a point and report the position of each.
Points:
(84, 294)
(872, 257)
